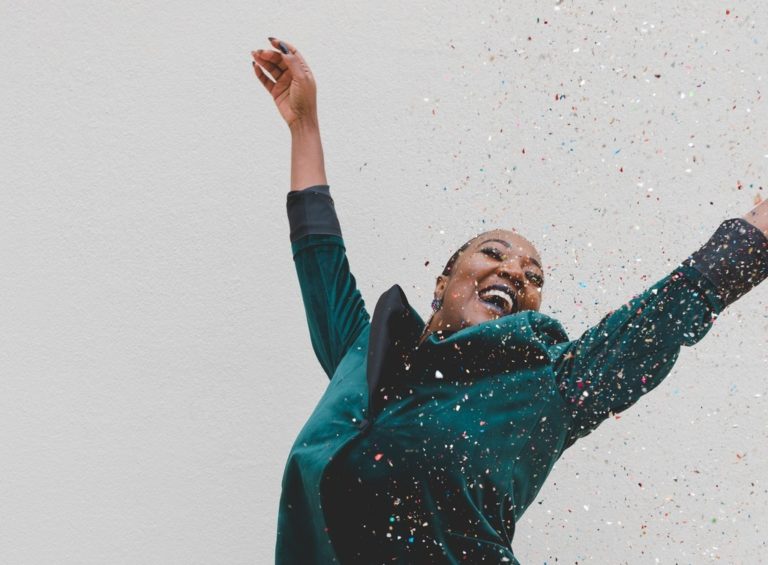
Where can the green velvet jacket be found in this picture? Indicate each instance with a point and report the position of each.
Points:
(432, 453)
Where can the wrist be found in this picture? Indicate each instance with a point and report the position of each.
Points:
(307, 163)
(304, 126)
(758, 217)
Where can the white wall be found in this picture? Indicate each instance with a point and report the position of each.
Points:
(155, 361)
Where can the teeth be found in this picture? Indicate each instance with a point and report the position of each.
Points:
(501, 294)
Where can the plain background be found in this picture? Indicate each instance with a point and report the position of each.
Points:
(156, 365)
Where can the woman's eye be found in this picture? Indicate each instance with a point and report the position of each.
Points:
(495, 253)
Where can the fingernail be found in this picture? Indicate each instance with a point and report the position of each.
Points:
(283, 48)
(270, 38)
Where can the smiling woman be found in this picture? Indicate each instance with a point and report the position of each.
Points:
(432, 439)
(494, 274)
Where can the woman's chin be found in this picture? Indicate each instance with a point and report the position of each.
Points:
(482, 314)
(489, 311)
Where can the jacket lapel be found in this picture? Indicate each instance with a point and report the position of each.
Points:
(494, 346)
(395, 329)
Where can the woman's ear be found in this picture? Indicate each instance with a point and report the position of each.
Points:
(440, 285)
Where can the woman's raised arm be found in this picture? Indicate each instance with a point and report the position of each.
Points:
(633, 348)
(335, 311)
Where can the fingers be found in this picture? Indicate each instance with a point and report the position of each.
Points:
(268, 84)
(265, 58)
(272, 57)
(291, 49)
(293, 58)
(284, 67)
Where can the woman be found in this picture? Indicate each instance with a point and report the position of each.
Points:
(432, 439)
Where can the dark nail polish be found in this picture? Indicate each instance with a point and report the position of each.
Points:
(283, 48)
(270, 38)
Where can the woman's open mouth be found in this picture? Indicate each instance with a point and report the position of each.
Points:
(499, 298)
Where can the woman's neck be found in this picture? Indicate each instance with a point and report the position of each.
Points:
(441, 335)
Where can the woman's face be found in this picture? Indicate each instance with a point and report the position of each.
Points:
(500, 258)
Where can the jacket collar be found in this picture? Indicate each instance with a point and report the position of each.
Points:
(491, 347)
(395, 329)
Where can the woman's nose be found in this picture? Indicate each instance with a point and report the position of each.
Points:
(512, 270)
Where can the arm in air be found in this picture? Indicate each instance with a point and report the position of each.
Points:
(335, 311)
(634, 347)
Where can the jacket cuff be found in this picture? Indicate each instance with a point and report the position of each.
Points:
(734, 260)
(311, 211)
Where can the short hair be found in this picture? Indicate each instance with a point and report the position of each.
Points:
(455, 257)
(452, 261)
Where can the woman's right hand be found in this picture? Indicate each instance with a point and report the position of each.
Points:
(293, 90)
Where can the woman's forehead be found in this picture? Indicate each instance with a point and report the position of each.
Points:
(517, 241)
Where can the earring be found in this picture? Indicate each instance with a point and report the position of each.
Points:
(437, 303)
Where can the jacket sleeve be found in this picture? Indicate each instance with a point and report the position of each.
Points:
(334, 307)
(633, 348)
